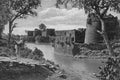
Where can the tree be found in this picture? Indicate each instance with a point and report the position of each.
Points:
(42, 27)
(3, 17)
(19, 9)
(100, 7)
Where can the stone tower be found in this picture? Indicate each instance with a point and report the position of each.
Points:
(93, 24)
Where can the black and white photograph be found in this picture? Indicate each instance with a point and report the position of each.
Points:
(59, 39)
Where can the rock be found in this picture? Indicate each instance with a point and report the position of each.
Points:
(63, 76)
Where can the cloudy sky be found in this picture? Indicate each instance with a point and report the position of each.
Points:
(60, 19)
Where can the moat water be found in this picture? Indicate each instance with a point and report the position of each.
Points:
(82, 69)
(68, 62)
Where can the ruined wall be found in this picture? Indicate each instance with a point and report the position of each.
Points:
(65, 40)
(93, 24)
(91, 34)
(80, 35)
(112, 25)
(30, 33)
(37, 32)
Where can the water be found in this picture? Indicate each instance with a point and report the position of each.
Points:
(81, 69)
(68, 62)
(48, 50)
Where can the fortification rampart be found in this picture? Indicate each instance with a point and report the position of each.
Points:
(93, 24)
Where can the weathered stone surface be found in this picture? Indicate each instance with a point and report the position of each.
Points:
(93, 24)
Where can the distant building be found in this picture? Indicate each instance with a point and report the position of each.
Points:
(37, 32)
(41, 35)
(48, 32)
(65, 40)
(46, 36)
(71, 36)
(30, 33)
(112, 27)
(34, 33)
(30, 36)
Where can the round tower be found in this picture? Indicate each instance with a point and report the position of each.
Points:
(93, 24)
(91, 34)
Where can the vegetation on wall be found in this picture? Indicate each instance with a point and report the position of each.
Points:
(111, 70)
(99, 7)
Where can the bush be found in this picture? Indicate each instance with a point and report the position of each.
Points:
(96, 46)
(111, 70)
(25, 52)
(62, 44)
(75, 50)
(37, 54)
(30, 39)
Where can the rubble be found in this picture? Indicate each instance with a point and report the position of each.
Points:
(95, 50)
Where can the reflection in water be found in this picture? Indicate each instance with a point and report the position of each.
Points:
(47, 50)
(82, 65)
(68, 62)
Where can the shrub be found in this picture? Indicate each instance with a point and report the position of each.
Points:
(25, 52)
(37, 54)
(62, 44)
(76, 50)
(111, 69)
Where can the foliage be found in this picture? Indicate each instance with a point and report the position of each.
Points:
(111, 70)
(42, 39)
(16, 9)
(76, 50)
(3, 16)
(100, 8)
(30, 39)
(37, 54)
(20, 8)
(6, 52)
(42, 26)
(25, 52)
(3, 42)
(62, 44)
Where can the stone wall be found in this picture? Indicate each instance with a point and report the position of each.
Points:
(93, 24)
(65, 40)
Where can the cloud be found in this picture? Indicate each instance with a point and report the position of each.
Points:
(21, 30)
(66, 27)
(55, 18)
(64, 16)
(50, 12)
